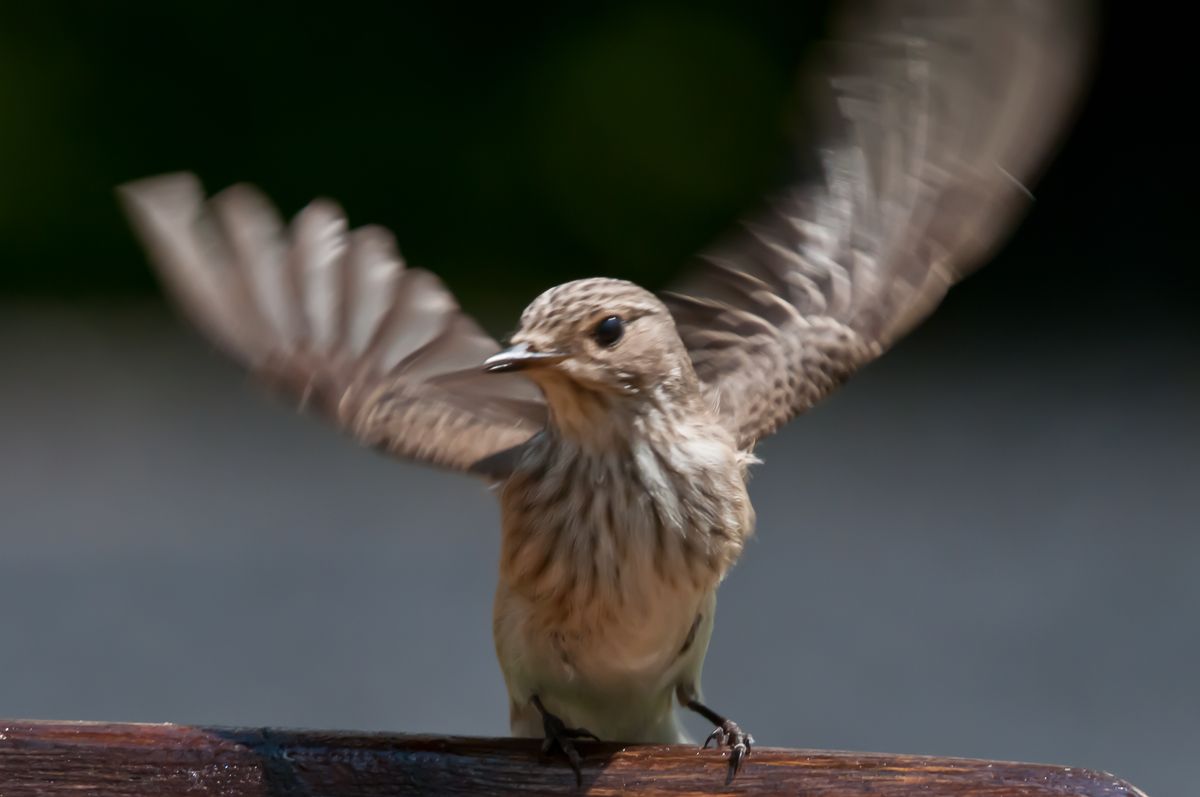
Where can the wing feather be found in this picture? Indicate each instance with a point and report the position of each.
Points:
(931, 115)
(334, 318)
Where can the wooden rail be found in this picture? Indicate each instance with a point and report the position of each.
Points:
(49, 758)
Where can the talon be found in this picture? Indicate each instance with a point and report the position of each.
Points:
(576, 762)
(558, 738)
(728, 734)
(735, 758)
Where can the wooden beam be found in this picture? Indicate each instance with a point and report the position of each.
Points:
(48, 758)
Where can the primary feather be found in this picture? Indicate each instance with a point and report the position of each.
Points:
(335, 319)
(931, 119)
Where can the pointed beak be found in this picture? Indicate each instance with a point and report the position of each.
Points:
(519, 358)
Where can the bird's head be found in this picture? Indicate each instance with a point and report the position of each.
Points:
(601, 338)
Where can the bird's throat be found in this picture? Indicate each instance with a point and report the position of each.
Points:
(590, 419)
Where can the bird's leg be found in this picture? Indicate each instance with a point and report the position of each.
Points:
(559, 736)
(727, 733)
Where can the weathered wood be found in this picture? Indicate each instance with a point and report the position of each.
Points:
(47, 758)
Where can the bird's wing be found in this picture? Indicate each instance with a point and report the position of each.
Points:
(932, 114)
(333, 318)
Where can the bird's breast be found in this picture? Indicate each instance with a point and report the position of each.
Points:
(621, 544)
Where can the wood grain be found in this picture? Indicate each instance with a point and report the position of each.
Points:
(48, 758)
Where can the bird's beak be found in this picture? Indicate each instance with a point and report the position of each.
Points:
(520, 357)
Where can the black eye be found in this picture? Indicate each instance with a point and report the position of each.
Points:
(609, 331)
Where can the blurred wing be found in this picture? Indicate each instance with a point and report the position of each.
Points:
(334, 318)
(931, 116)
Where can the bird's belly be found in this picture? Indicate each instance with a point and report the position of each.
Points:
(601, 644)
(635, 645)
(614, 675)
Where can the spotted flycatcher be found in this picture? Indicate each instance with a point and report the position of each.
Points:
(618, 426)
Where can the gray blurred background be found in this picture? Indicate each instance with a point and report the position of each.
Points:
(985, 545)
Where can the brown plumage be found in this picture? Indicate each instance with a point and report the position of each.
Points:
(620, 445)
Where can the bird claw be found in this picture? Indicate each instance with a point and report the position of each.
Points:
(729, 734)
(558, 739)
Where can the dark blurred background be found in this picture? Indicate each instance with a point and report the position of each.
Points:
(985, 545)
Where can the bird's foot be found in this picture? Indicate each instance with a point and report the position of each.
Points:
(559, 740)
(729, 734)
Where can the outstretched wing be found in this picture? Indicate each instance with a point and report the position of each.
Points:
(334, 319)
(932, 114)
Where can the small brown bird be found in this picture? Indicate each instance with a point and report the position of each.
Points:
(618, 426)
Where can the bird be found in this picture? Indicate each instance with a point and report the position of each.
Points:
(618, 426)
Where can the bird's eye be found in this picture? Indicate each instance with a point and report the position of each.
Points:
(609, 331)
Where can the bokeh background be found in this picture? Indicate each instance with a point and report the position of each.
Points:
(986, 545)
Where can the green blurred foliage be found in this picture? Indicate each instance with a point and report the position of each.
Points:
(509, 147)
